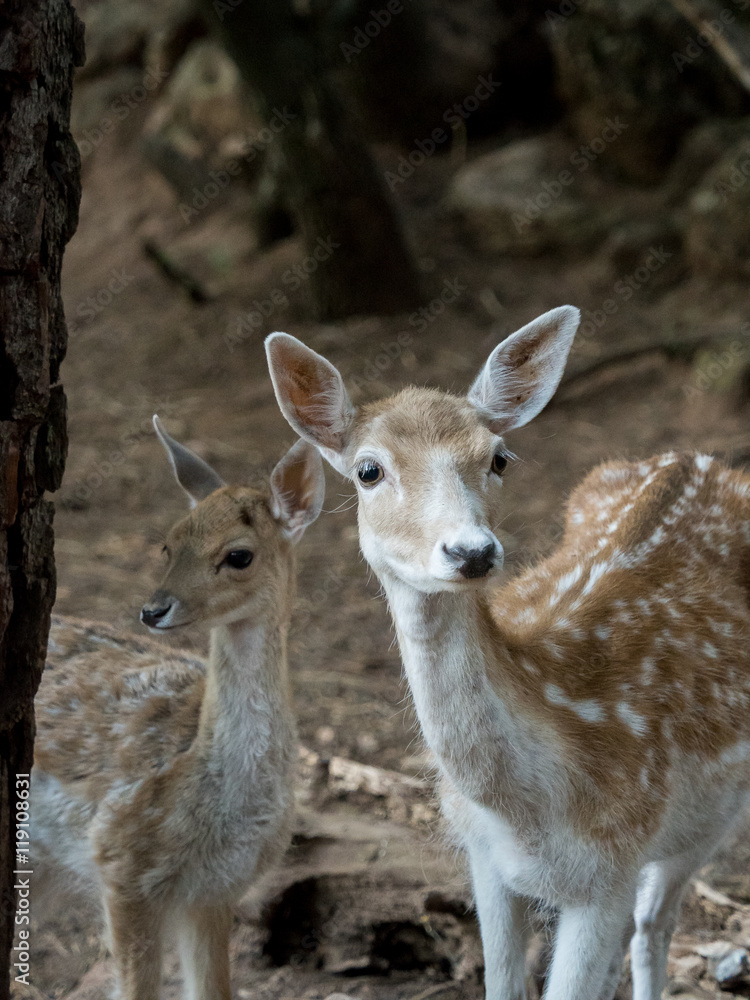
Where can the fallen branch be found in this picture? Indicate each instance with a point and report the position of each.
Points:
(706, 891)
(175, 272)
(433, 991)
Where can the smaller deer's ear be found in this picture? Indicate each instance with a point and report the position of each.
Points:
(311, 395)
(298, 488)
(522, 373)
(195, 476)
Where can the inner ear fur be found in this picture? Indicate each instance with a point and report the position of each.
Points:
(298, 488)
(310, 392)
(521, 375)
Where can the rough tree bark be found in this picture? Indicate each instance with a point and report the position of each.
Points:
(40, 43)
(326, 172)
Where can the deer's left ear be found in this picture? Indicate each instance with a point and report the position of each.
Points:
(195, 476)
(298, 488)
(523, 372)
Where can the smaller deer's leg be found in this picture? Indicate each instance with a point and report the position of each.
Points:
(614, 974)
(660, 892)
(134, 931)
(504, 928)
(204, 952)
(588, 939)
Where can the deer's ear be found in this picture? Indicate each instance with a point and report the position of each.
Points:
(195, 476)
(523, 372)
(311, 395)
(298, 488)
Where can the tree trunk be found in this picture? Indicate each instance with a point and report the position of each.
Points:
(359, 259)
(40, 43)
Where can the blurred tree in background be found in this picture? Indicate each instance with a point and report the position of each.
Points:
(320, 158)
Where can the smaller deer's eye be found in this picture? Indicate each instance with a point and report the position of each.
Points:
(499, 462)
(239, 558)
(165, 550)
(370, 473)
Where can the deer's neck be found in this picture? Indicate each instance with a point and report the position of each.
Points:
(246, 723)
(481, 735)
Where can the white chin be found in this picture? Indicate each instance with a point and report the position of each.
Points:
(427, 583)
(163, 629)
(460, 583)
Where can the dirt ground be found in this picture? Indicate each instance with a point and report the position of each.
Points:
(145, 347)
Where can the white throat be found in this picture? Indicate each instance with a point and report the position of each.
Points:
(246, 713)
(488, 748)
(445, 665)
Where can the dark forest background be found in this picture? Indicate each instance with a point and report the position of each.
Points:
(400, 184)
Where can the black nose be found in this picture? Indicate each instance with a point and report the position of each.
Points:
(150, 615)
(474, 563)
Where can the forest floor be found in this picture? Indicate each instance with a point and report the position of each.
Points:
(368, 863)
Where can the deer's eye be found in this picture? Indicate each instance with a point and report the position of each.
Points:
(499, 463)
(239, 558)
(370, 473)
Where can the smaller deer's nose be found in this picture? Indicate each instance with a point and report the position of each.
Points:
(473, 563)
(152, 614)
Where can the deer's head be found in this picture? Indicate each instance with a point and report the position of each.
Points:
(231, 557)
(427, 465)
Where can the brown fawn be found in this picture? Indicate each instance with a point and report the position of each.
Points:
(590, 719)
(162, 783)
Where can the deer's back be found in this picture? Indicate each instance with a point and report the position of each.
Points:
(112, 705)
(631, 642)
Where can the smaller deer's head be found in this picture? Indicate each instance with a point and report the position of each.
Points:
(231, 558)
(427, 465)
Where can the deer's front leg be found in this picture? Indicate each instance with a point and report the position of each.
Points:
(504, 927)
(614, 975)
(588, 939)
(204, 952)
(134, 929)
(660, 892)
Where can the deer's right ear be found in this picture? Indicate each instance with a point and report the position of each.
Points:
(298, 488)
(195, 476)
(523, 372)
(311, 395)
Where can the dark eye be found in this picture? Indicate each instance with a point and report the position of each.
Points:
(499, 462)
(239, 559)
(370, 473)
